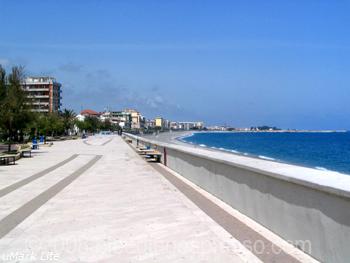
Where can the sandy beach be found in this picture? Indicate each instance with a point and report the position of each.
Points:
(170, 137)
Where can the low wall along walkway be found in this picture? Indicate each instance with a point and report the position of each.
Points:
(307, 207)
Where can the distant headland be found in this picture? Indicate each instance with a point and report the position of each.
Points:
(266, 128)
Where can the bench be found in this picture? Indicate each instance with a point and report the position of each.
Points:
(153, 156)
(140, 148)
(145, 151)
(8, 158)
(25, 153)
(143, 147)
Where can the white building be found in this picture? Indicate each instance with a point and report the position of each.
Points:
(187, 125)
(121, 118)
(137, 120)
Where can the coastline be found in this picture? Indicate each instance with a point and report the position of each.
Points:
(176, 137)
(328, 181)
(173, 137)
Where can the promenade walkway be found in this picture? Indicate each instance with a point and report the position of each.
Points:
(96, 200)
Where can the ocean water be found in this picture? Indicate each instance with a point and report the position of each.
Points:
(323, 151)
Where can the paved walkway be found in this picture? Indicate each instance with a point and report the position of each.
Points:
(98, 201)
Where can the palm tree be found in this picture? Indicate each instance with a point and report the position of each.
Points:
(68, 117)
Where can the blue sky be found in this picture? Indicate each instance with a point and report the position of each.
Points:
(240, 63)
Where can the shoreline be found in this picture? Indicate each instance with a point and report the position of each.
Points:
(169, 137)
(329, 181)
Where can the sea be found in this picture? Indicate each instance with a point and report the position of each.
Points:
(319, 150)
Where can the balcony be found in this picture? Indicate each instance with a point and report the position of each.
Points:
(40, 103)
(38, 96)
(36, 89)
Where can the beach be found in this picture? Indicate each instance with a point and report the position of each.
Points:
(169, 137)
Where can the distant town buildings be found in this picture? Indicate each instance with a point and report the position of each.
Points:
(137, 120)
(121, 118)
(44, 94)
(217, 128)
(87, 113)
(150, 124)
(131, 119)
(160, 123)
(187, 125)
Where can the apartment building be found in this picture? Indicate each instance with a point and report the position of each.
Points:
(160, 123)
(150, 123)
(137, 120)
(44, 94)
(187, 125)
(122, 118)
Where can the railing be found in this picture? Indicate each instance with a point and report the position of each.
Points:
(297, 203)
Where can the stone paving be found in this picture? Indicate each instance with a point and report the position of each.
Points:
(96, 200)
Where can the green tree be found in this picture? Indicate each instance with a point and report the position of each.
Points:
(2, 98)
(55, 124)
(2, 85)
(107, 125)
(92, 124)
(14, 108)
(40, 125)
(68, 117)
(81, 125)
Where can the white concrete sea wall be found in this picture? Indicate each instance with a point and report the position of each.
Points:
(307, 207)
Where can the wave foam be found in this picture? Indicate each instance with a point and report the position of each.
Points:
(321, 168)
(266, 158)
